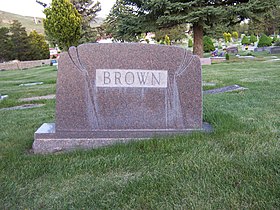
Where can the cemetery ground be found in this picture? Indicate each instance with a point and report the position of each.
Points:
(237, 166)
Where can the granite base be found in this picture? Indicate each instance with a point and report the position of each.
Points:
(47, 140)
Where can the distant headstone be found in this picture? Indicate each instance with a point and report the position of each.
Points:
(262, 49)
(208, 84)
(274, 50)
(273, 60)
(31, 84)
(3, 97)
(246, 56)
(232, 50)
(24, 106)
(205, 61)
(35, 98)
(231, 88)
(109, 93)
(217, 59)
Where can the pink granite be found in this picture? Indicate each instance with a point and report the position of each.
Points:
(169, 102)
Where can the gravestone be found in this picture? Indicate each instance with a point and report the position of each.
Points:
(232, 88)
(2, 97)
(31, 84)
(274, 50)
(108, 93)
(262, 49)
(233, 50)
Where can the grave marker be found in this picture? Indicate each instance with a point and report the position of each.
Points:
(109, 93)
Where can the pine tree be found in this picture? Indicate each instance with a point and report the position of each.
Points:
(168, 13)
(264, 41)
(20, 49)
(267, 22)
(123, 24)
(208, 45)
(235, 35)
(88, 10)
(39, 49)
(63, 23)
(253, 38)
(6, 45)
(176, 33)
(245, 40)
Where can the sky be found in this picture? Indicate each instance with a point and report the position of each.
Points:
(31, 8)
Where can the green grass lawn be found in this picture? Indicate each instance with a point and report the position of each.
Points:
(235, 167)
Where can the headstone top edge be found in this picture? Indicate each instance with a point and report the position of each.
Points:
(131, 45)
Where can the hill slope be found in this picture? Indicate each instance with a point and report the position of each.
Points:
(7, 18)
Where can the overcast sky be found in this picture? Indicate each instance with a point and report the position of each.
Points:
(31, 8)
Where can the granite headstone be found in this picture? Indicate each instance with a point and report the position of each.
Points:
(232, 50)
(274, 50)
(109, 93)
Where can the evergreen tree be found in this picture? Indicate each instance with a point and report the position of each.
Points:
(6, 45)
(253, 38)
(176, 33)
(63, 23)
(227, 37)
(208, 45)
(167, 40)
(267, 22)
(39, 49)
(123, 23)
(235, 35)
(245, 40)
(264, 41)
(190, 42)
(168, 13)
(88, 9)
(20, 49)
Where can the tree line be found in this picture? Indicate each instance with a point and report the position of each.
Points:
(67, 22)
(16, 44)
(129, 18)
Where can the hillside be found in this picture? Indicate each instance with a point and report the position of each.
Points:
(7, 18)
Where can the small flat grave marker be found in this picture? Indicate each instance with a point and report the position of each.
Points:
(25, 106)
(231, 88)
(36, 98)
(209, 84)
(31, 84)
(2, 97)
(108, 93)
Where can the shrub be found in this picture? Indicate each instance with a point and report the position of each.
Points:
(265, 41)
(190, 43)
(253, 38)
(167, 40)
(235, 35)
(227, 37)
(208, 45)
(245, 40)
(227, 56)
(275, 39)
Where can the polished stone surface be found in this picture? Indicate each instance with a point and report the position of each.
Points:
(125, 91)
(48, 141)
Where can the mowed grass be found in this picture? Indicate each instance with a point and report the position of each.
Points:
(237, 166)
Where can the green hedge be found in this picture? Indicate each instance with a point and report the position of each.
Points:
(208, 45)
(265, 41)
